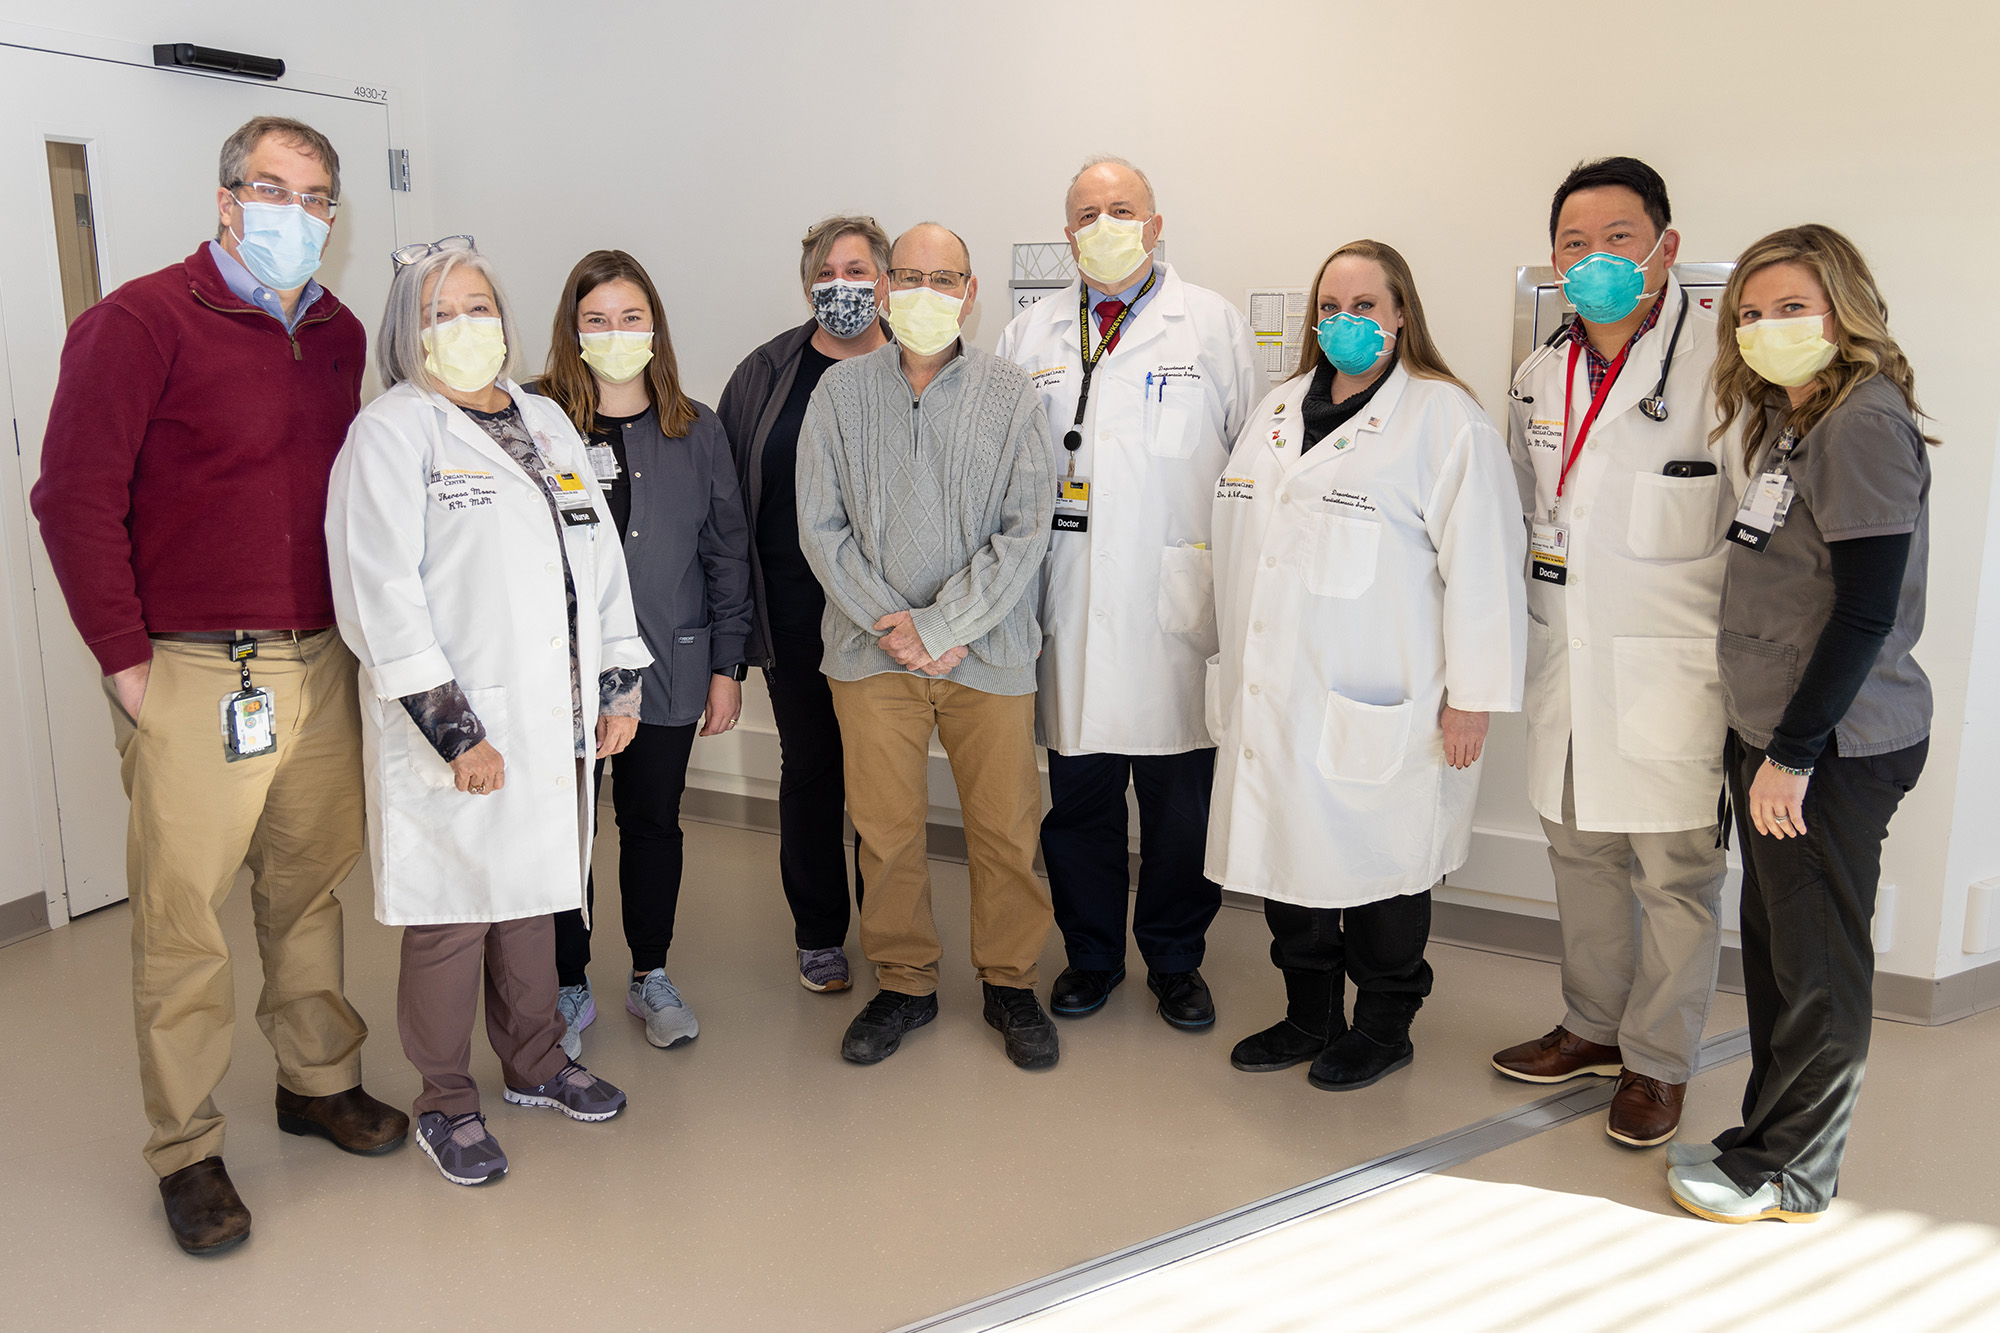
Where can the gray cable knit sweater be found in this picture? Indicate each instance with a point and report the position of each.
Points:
(940, 507)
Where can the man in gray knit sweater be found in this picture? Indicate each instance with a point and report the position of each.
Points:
(926, 494)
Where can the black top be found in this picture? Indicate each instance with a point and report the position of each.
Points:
(1323, 416)
(792, 596)
(610, 432)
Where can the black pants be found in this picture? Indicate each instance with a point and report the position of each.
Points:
(1086, 847)
(812, 795)
(647, 780)
(1809, 968)
(1379, 946)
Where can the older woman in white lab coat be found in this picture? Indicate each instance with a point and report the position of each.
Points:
(475, 578)
(1369, 562)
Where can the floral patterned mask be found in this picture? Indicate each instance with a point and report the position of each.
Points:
(844, 309)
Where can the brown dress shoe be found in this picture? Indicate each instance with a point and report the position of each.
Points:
(1644, 1111)
(203, 1209)
(1559, 1056)
(352, 1119)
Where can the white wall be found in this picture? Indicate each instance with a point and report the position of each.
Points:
(705, 138)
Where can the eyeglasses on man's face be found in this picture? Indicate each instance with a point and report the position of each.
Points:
(946, 280)
(406, 255)
(263, 192)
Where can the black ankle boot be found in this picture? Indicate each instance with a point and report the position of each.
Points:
(1312, 1018)
(1356, 1060)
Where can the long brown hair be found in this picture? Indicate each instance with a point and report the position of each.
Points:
(1861, 333)
(1415, 349)
(568, 380)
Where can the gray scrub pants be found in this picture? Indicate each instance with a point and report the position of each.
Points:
(1641, 941)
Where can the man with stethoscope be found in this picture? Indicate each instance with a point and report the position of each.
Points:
(1627, 500)
(1147, 380)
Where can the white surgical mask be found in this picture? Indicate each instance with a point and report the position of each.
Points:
(925, 321)
(465, 353)
(617, 355)
(1111, 248)
(1787, 352)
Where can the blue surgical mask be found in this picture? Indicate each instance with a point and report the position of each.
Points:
(844, 309)
(1604, 287)
(281, 244)
(1353, 342)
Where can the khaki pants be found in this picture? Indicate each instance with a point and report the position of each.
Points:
(1641, 939)
(295, 818)
(439, 990)
(885, 730)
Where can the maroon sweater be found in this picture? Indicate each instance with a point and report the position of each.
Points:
(185, 466)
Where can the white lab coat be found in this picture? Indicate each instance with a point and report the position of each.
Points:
(445, 566)
(1621, 659)
(1128, 608)
(1359, 588)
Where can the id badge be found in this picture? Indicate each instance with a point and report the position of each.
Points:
(1072, 505)
(249, 724)
(1549, 545)
(572, 498)
(1763, 511)
(603, 462)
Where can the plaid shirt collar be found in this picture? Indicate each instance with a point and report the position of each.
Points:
(1600, 366)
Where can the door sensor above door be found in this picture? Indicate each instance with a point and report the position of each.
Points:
(186, 55)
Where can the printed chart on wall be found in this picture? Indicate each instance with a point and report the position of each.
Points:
(1277, 325)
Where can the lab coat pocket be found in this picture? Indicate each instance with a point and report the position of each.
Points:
(687, 673)
(1669, 698)
(489, 705)
(1170, 432)
(1213, 711)
(1187, 589)
(1675, 518)
(1363, 743)
(1341, 561)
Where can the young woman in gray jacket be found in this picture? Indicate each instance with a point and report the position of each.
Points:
(663, 462)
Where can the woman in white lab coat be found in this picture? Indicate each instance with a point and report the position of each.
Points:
(1369, 562)
(475, 579)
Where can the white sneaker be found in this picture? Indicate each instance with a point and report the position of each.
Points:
(579, 1010)
(1703, 1190)
(669, 1022)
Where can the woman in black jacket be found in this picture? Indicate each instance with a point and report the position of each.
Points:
(762, 409)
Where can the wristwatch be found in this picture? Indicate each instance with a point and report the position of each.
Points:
(737, 672)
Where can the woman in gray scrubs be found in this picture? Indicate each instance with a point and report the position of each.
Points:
(1829, 714)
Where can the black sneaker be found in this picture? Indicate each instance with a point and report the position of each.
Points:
(1184, 998)
(1078, 991)
(878, 1029)
(1018, 1016)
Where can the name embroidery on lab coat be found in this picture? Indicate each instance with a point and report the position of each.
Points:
(1545, 434)
(1353, 501)
(461, 488)
(1047, 375)
(1236, 488)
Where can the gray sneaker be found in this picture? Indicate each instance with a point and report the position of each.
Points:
(824, 969)
(465, 1154)
(576, 1092)
(669, 1022)
(579, 1010)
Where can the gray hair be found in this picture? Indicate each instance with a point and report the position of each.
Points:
(399, 346)
(1110, 160)
(819, 241)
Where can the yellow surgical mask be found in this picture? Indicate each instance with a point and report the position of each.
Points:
(1111, 248)
(925, 321)
(465, 353)
(617, 355)
(1787, 352)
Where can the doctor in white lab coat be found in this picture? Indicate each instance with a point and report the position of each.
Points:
(1127, 599)
(1628, 503)
(477, 581)
(1369, 564)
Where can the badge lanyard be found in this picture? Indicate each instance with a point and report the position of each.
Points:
(1073, 440)
(1768, 499)
(1590, 417)
(249, 722)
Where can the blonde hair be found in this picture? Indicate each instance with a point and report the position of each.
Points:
(1415, 350)
(1861, 333)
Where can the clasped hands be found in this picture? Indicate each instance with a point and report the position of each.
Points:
(899, 640)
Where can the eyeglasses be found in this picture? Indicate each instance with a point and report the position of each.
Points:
(406, 255)
(949, 281)
(263, 192)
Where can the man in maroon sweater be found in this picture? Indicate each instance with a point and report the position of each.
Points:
(182, 499)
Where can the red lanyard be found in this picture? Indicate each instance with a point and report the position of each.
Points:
(1596, 404)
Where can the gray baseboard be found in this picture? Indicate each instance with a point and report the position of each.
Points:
(1922, 1000)
(23, 918)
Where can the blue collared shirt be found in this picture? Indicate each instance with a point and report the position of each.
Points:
(244, 283)
(1130, 296)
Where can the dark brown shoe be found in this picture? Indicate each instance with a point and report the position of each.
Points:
(203, 1209)
(1557, 1057)
(1644, 1111)
(352, 1119)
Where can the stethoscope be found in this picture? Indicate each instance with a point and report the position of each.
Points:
(1654, 405)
